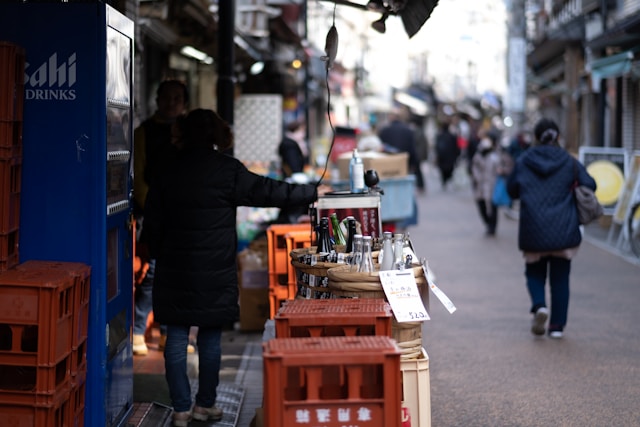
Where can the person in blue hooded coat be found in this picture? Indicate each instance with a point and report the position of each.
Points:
(549, 231)
(190, 221)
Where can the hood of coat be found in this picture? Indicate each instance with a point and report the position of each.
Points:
(544, 160)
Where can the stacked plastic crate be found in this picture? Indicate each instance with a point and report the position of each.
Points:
(280, 284)
(44, 305)
(333, 362)
(12, 61)
(43, 333)
(332, 381)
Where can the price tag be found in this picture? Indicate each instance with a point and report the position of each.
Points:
(442, 297)
(402, 293)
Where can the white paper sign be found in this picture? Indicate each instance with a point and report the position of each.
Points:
(402, 293)
(448, 304)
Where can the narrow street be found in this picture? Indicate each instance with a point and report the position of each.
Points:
(486, 368)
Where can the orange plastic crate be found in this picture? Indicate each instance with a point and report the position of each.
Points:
(332, 381)
(81, 274)
(277, 246)
(295, 240)
(277, 296)
(36, 317)
(333, 317)
(55, 414)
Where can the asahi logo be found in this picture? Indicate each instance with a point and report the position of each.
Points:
(52, 80)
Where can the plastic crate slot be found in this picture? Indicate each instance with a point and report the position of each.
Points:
(28, 338)
(24, 378)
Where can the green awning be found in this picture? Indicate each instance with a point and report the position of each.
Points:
(611, 66)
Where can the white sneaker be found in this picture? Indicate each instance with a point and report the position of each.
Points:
(556, 334)
(139, 346)
(539, 319)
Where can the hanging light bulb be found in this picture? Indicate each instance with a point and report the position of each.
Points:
(379, 25)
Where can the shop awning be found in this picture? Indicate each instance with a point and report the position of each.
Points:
(610, 66)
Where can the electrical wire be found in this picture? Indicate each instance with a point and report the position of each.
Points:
(333, 130)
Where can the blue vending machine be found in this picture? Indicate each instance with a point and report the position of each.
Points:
(77, 173)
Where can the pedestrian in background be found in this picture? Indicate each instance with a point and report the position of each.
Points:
(447, 153)
(485, 168)
(293, 149)
(399, 136)
(152, 140)
(549, 232)
(190, 221)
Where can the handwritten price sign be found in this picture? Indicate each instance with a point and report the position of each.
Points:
(402, 293)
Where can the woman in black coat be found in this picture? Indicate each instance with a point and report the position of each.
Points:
(190, 218)
(549, 232)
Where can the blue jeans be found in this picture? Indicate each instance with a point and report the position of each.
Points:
(143, 302)
(175, 365)
(536, 273)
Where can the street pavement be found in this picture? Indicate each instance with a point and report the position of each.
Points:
(486, 368)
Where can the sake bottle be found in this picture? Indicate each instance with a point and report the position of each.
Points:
(357, 253)
(324, 242)
(386, 263)
(351, 231)
(338, 237)
(366, 264)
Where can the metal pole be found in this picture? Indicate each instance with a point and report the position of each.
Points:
(226, 58)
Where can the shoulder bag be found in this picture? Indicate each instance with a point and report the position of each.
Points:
(589, 209)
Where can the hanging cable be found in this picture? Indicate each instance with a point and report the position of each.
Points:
(331, 49)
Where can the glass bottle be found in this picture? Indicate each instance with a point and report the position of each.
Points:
(366, 264)
(386, 263)
(324, 243)
(398, 245)
(357, 253)
(338, 237)
(351, 231)
(356, 173)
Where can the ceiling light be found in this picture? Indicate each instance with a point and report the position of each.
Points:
(194, 53)
(256, 68)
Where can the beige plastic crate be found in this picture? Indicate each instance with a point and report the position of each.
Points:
(416, 389)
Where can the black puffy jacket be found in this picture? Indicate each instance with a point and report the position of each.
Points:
(542, 179)
(190, 218)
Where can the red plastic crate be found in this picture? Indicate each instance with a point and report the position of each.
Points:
(10, 139)
(81, 274)
(333, 317)
(10, 184)
(332, 381)
(78, 398)
(34, 385)
(9, 250)
(36, 317)
(78, 359)
(55, 414)
(12, 62)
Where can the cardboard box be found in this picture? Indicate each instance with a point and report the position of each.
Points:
(387, 165)
(254, 308)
